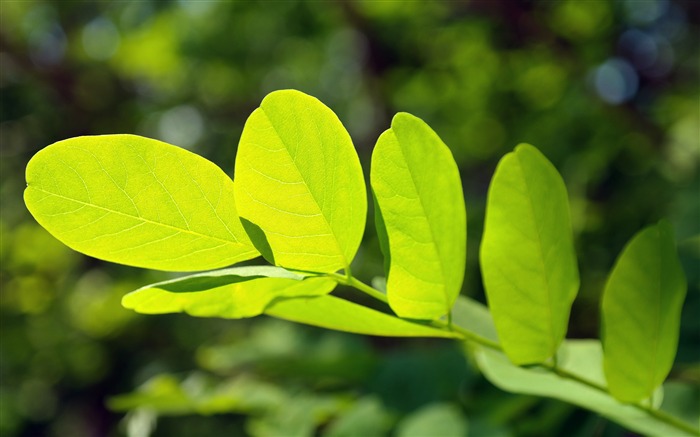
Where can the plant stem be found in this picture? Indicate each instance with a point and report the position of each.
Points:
(351, 281)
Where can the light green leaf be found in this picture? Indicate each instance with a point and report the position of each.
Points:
(235, 297)
(137, 201)
(475, 317)
(439, 419)
(584, 359)
(299, 184)
(421, 218)
(198, 394)
(527, 255)
(367, 418)
(299, 417)
(331, 312)
(218, 278)
(641, 313)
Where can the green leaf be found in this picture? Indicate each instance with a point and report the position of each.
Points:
(641, 311)
(218, 278)
(475, 317)
(367, 418)
(682, 399)
(240, 294)
(299, 417)
(582, 358)
(299, 184)
(331, 312)
(421, 218)
(137, 201)
(439, 419)
(527, 255)
(167, 395)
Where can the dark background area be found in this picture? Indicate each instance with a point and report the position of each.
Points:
(608, 90)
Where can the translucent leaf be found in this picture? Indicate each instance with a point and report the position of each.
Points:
(334, 313)
(421, 218)
(641, 312)
(527, 255)
(234, 297)
(137, 201)
(299, 184)
(444, 420)
(218, 278)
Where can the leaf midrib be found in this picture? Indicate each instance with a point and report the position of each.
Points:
(306, 184)
(541, 253)
(657, 313)
(430, 224)
(141, 218)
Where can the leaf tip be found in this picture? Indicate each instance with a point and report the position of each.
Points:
(527, 148)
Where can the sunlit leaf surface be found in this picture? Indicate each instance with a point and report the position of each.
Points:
(641, 313)
(137, 201)
(527, 255)
(246, 296)
(421, 218)
(299, 185)
(334, 313)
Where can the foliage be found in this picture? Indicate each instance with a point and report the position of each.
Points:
(606, 90)
(527, 256)
(527, 226)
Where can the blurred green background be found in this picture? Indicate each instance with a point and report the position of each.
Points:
(608, 90)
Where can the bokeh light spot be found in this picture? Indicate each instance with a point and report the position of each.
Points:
(182, 126)
(615, 81)
(100, 39)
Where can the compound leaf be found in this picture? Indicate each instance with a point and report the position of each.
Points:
(137, 201)
(331, 312)
(299, 184)
(641, 311)
(421, 218)
(527, 255)
(232, 295)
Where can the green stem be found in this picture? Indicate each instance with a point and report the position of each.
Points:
(351, 281)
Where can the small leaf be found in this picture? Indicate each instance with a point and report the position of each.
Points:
(299, 184)
(527, 254)
(331, 312)
(137, 201)
(299, 417)
(438, 419)
(641, 311)
(234, 297)
(218, 278)
(199, 394)
(421, 218)
(367, 417)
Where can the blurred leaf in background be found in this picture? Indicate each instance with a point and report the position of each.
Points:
(608, 90)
